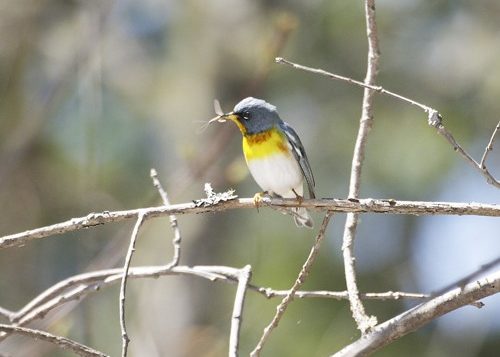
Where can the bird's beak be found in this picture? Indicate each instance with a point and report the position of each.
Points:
(223, 117)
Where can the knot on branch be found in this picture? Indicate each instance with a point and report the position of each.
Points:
(368, 324)
(434, 118)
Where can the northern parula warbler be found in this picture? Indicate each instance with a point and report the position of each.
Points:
(274, 153)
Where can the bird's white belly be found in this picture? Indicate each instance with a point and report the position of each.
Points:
(279, 173)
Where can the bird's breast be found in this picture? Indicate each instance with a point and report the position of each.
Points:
(271, 162)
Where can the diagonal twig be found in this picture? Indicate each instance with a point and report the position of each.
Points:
(489, 147)
(80, 285)
(438, 125)
(237, 316)
(61, 342)
(421, 315)
(280, 310)
(376, 88)
(176, 241)
(123, 286)
(434, 119)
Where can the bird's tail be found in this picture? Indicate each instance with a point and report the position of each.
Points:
(302, 218)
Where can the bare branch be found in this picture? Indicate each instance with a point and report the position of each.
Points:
(27, 314)
(363, 321)
(61, 342)
(367, 205)
(434, 118)
(489, 147)
(237, 316)
(79, 286)
(340, 295)
(123, 287)
(176, 241)
(464, 154)
(280, 310)
(378, 89)
(422, 314)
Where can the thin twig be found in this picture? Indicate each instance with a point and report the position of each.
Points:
(176, 241)
(433, 116)
(61, 342)
(366, 205)
(237, 316)
(378, 89)
(79, 286)
(363, 321)
(340, 295)
(40, 311)
(489, 147)
(464, 154)
(123, 287)
(421, 315)
(280, 310)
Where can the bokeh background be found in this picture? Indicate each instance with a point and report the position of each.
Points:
(95, 93)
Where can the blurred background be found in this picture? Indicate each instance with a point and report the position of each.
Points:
(95, 93)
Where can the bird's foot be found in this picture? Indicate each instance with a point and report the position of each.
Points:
(298, 197)
(258, 198)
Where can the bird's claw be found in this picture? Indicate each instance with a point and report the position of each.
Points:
(258, 198)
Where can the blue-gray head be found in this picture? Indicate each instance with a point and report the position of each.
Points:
(253, 116)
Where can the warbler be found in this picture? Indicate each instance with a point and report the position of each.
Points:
(273, 152)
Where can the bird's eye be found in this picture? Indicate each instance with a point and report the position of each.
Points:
(245, 115)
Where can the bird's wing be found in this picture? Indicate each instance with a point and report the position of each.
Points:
(300, 155)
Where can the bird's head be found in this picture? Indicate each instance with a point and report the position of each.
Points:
(252, 116)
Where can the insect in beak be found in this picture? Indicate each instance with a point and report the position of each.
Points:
(221, 116)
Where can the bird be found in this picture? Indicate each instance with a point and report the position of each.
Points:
(273, 152)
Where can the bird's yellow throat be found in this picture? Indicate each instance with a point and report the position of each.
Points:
(261, 145)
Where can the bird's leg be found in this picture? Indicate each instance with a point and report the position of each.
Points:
(298, 197)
